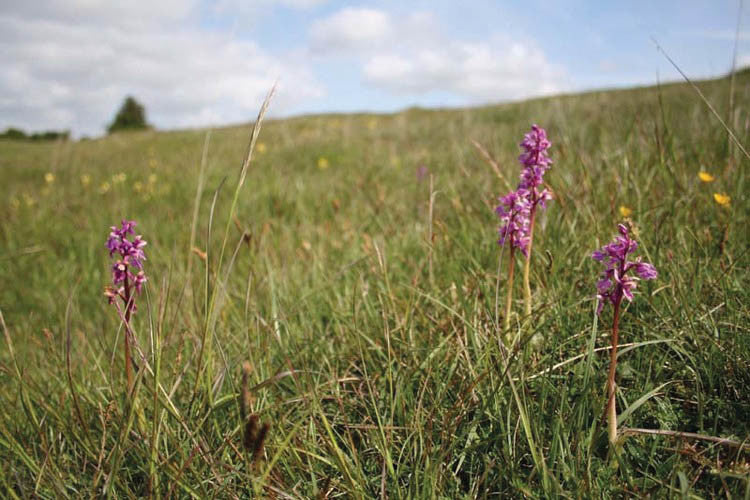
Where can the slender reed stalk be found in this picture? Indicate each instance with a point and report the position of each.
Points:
(196, 204)
(704, 99)
(430, 234)
(730, 111)
(205, 354)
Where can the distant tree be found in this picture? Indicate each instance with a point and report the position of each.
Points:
(50, 135)
(131, 116)
(13, 133)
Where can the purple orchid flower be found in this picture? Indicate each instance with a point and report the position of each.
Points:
(536, 162)
(514, 215)
(131, 256)
(617, 279)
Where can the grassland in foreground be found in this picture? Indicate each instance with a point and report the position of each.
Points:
(368, 319)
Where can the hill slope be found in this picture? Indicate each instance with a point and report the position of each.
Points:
(371, 317)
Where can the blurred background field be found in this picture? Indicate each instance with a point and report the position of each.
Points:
(390, 336)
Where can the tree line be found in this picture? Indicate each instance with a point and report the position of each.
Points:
(130, 116)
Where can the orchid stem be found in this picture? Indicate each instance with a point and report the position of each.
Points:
(611, 403)
(128, 361)
(509, 296)
(527, 265)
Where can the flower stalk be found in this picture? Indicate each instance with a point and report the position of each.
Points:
(128, 337)
(611, 399)
(509, 294)
(527, 265)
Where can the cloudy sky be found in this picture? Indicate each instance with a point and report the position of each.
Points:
(68, 64)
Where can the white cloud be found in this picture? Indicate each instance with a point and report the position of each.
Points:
(102, 13)
(412, 55)
(65, 71)
(302, 4)
(479, 71)
(743, 60)
(249, 12)
(351, 28)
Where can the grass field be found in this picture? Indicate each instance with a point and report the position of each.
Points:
(367, 313)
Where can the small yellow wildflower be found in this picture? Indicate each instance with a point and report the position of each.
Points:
(119, 178)
(138, 186)
(49, 177)
(29, 200)
(104, 187)
(152, 179)
(261, 147)
(705, 176)
(15, 203)
(323, 163)
(153, 163)
(85, 180)
(722, 199)
(625, 211)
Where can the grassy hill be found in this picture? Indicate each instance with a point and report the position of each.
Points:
(368, 314)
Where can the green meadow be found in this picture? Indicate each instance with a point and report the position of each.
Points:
(357, 275)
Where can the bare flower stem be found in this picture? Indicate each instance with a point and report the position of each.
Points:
(128, 334)
(509, 296)
(527, 264)
(611, 403)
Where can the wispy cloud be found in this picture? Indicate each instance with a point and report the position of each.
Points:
(411, 55)
(478, 71)
(351, 29)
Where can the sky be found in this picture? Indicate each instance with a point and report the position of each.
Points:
(69, 64)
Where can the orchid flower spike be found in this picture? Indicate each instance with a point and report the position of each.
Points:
(618, 279)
